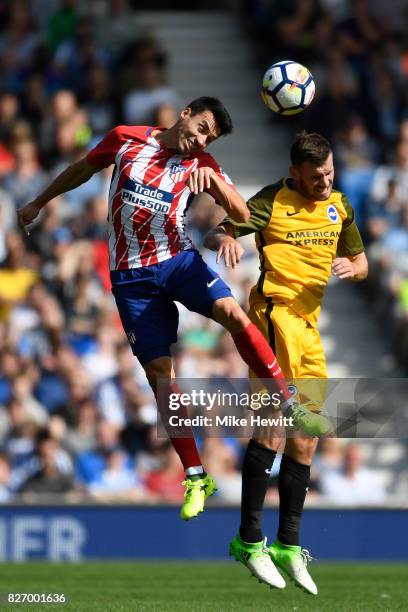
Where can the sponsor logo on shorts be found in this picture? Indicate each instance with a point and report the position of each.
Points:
(131, 337)
(332, 213)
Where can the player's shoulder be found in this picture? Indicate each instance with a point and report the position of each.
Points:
(338, 195)
(206, 159)
(269, 192)
(341, 199)
(139, 132)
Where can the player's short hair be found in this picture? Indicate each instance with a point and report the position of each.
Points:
(309, 147)
(221, 115)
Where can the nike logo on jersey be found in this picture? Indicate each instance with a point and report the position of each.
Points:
(291, 214)
(212, 282)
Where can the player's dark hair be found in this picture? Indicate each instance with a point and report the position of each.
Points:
(221, 115)
(309, 147)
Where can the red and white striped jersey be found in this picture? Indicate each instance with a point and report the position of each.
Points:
(148, 197)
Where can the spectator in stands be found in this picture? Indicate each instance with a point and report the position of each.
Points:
(100, 363)
(385, 215)
(99, 105)
(75, 55)
(19, 440)
(222, 459)
(35, 102)
(117, 480)
(27, 177)
(91, 464)
(356, 154)
(63, 108)
(164, 482)
(18, 43)
(82, 436)
(62, 24)
(49, 478)
(149, 101)
(9, 112)
(354, 484)
(329, 455)
(396, 172)
(7, 221)
(123, 24)
(16, 275)
(6, 493)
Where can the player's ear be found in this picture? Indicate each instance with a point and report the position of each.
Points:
(185, 113)
(294, 172)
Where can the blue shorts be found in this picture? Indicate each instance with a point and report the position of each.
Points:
(145, 299)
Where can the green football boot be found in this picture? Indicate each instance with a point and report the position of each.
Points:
(311, 423)
(196, 493)
(257, 559)
(293, 561)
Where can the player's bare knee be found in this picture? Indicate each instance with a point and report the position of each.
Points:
(301, 449)
(230, 315)
(271, 442)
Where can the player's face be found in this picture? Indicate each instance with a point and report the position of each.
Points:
(314, 182)
(195, 132)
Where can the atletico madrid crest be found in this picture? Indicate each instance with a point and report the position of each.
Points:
(177, 172)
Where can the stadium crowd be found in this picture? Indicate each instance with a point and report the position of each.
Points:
(76, 414)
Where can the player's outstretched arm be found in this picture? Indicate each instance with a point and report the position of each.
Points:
(205, 178)
(220, 239)
(353, 267)
(231, 201)
(73, 176)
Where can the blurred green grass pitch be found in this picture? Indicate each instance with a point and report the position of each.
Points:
(203, 586)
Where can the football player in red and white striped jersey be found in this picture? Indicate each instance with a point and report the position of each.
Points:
(153, 263)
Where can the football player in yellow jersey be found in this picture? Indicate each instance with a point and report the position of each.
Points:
(305, 231)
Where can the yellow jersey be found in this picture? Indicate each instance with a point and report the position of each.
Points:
(14, 287)
(297, 241)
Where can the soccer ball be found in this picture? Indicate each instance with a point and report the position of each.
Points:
(287, 88)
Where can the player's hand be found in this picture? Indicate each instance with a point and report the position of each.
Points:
(27, 215)
(200, 179)
(342, 267)
(231, 251)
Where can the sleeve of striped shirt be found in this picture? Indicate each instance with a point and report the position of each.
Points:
(103, 155)
(208, 161)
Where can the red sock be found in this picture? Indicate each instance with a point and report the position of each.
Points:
(258, 355)
(184, 446)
